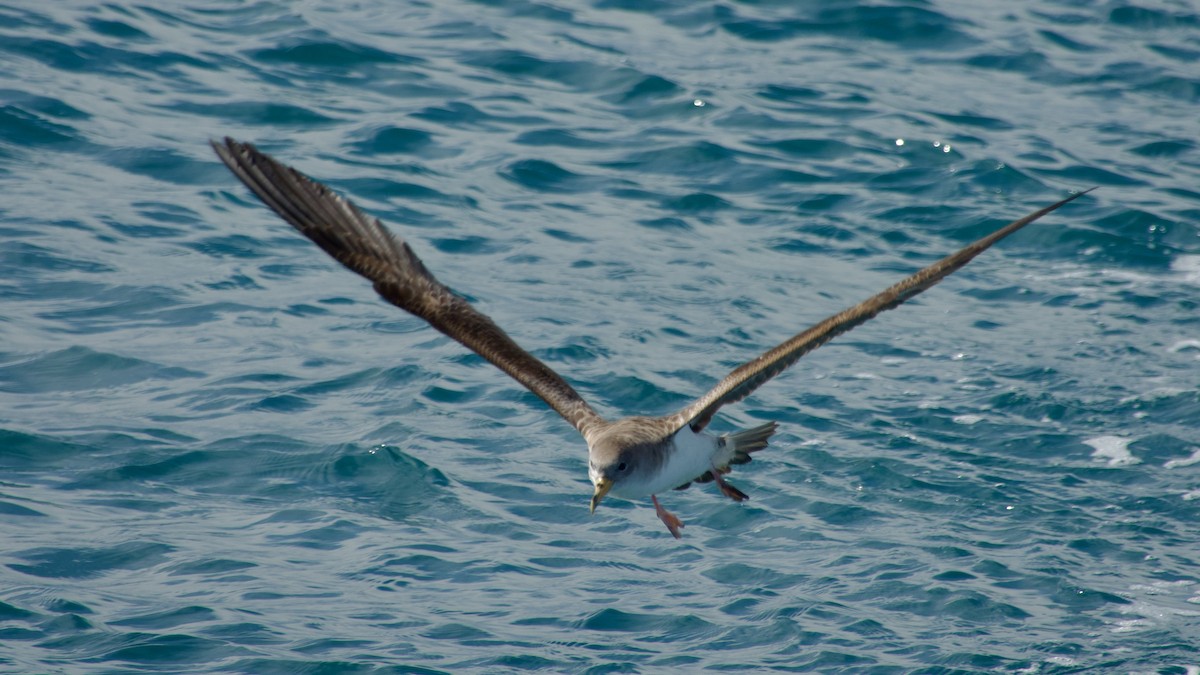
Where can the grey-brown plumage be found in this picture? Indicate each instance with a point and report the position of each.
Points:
(364, 245)
(632, 457)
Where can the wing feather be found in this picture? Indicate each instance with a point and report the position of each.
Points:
(751, 375)
(363, 244)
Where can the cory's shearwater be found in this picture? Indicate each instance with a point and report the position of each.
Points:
(632, 457)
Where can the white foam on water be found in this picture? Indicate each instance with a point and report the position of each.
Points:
(1114, 449)
(1176, 463)
(1185, 345)
(1187, 266)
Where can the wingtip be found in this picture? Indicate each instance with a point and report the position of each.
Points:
(225, 147)
(1070, 198)
(228, 146)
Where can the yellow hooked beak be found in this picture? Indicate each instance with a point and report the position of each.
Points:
(602, 487)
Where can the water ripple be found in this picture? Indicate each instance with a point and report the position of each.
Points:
(221, 453)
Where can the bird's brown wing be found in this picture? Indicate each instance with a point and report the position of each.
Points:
(363, 244)
(751, 375)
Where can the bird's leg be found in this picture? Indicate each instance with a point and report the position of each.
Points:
(673, 524)
(727, 489)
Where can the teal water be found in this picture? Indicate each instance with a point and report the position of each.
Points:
(219, 452)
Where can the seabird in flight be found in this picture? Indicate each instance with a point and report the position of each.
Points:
(631, 458)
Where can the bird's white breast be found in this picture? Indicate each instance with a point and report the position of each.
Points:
(692, 456)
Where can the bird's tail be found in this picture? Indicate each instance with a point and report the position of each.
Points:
(735, 448)
(742, 443)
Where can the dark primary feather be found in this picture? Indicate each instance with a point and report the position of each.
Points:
(364, 245)
(751, 375)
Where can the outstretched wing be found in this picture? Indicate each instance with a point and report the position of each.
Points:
(751, 375)
(363, 244)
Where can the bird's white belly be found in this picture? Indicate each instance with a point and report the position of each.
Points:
(692, 456)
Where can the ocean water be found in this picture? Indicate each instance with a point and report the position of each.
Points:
(221, 453)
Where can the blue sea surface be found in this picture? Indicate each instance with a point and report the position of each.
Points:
(221, 452)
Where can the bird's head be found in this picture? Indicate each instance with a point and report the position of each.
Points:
(605, 474)
(612, 458)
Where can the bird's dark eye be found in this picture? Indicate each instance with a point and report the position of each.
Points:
(621, 466)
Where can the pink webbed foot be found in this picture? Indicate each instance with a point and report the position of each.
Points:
(727, 489)
(673, 524)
